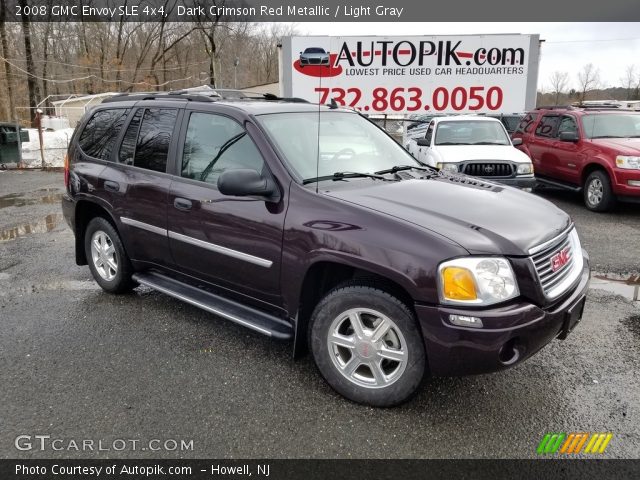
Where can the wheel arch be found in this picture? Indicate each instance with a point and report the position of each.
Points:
(85, 211)
(591, 166)
(323, 276)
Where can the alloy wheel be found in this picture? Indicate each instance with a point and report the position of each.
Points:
(103, 254)
(367, 348)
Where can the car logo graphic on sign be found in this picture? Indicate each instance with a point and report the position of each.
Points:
(560, 259)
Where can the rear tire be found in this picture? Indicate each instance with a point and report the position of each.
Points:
(367, 345)
(598, 195)
(107, 259)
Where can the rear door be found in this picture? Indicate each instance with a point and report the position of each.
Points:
(139, 185)
(232, 242)
(542, 146)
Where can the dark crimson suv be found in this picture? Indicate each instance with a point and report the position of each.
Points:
(309, 223)
(593, 150)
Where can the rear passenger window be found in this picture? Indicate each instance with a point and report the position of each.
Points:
(101, 132)
(146, 141)
(526, 124)
(215, 144)
(548, 126)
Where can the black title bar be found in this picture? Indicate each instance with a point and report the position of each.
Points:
(320, 469)
(318, 11)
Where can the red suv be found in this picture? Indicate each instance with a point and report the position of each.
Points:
(596, 151)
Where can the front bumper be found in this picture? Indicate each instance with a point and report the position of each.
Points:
(518, 182)
(510, 334)
(621, 185)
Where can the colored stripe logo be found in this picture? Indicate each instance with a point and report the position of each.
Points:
(574, 443)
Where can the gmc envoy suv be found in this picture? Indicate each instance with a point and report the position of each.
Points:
(308, 223)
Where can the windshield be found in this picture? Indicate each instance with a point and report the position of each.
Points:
(611, 125)
(348, 143)
(471, 132)
(314, 50)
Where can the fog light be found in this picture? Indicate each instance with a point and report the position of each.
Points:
(634, 183)
(465, 321)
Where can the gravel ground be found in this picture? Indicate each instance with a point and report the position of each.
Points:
(82, 364)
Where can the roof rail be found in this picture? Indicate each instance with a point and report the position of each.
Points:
(194, 97)
(555, 107)
(122, 97)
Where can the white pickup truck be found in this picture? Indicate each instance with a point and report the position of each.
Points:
(473, 145)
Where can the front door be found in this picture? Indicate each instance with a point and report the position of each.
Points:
(233, 242)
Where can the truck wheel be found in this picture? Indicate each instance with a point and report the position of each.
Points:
(108, 262)
(367, 345)
(598, 195)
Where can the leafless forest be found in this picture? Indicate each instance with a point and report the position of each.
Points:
(42, 61)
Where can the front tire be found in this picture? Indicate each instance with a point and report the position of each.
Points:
(598, 195)
(367, 346)
(107, 259)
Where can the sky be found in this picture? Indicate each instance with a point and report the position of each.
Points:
(611, 47)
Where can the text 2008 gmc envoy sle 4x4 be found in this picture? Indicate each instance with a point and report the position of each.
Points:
(387, 270)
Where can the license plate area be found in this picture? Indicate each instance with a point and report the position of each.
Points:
(572, 317)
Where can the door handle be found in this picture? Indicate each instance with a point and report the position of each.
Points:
(111, 186)
(182, 204)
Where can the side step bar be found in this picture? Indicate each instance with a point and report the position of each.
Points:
(256, 320)
(558, 184)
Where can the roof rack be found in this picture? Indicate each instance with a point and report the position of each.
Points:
(215, 96)
(134, 97)
(555, 107)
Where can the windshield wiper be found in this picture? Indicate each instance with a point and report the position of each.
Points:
(343, 175)
(399, 168)
(453, 143)
(609, 136)
(489, 143)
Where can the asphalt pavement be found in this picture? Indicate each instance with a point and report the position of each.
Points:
(78, 364)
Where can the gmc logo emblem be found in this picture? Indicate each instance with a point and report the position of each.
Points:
(560, 259)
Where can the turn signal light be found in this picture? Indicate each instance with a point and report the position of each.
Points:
(458, 284)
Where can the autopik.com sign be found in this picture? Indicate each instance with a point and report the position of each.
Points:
(453, 74)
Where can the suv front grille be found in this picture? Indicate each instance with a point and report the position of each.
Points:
(559, 266)
(488, 169)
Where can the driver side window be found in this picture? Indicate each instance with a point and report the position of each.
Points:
(567, 124)
(429, 134)
(214, 144)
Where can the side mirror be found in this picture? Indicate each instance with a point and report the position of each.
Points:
(569, 137)
(243, 182)
(516, 142)
(424, 142)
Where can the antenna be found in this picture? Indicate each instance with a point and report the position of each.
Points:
(310, 57)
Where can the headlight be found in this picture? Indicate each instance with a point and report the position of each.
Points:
(525, 169)
(476, 281)
(448, 167)
(629, 163)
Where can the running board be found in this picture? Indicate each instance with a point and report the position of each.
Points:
(256, 320)
(556, 183)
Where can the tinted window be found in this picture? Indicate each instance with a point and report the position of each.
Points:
(548, 126)
(214, 144)
(128, 146)
(99, 135)
(146, 144)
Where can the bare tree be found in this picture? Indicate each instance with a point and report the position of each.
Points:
(588, 79)
(7, 66)
(32, 82)
(559, 82)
